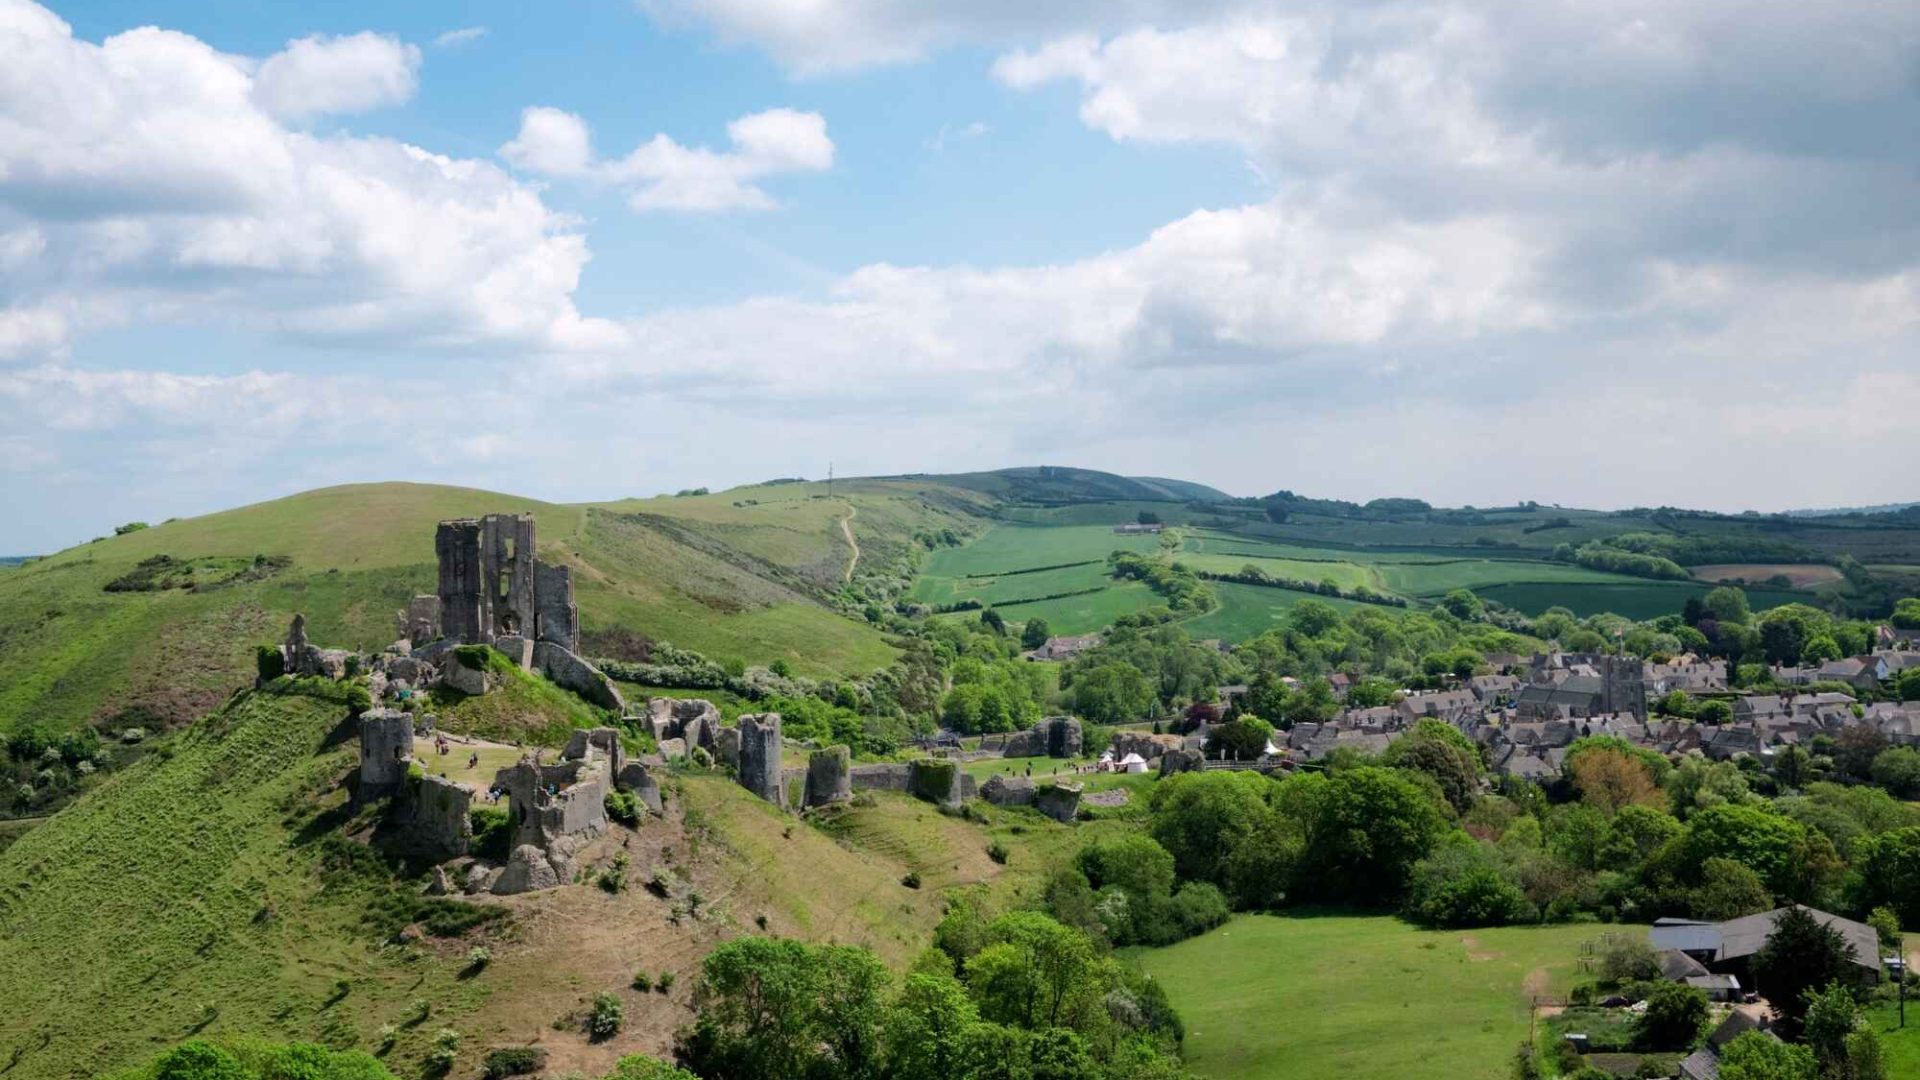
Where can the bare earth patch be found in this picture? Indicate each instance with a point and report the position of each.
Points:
(1798, 575)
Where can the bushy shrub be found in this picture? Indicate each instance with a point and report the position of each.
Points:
(997, 851)
(269, 662)
(445, 1051)
(514, 1061)
(912, 880)
(665, 982)
(605, 1018)
(1675, 1013)
(623, 807)
(642, 981)
(492, 832)
(478, 957)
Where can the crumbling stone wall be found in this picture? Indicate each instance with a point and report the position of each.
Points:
(828, 779)
(386, 748)
(759, 769)
(1001, 790)
(1056, 736)
(433, 818)
(1059, 801)
(1148, 746)
(564, 669)
(881, 777)
(419, 623)
(693, 719)
(935, 781)
(1179, 761)
(556, 617)
(634, 776)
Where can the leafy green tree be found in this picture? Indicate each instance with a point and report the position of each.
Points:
(1800, 955)
(1727, 604)
(1130, 861)
(1831, 1016)
(1698, 784)
(1759, 1056)
(1372, 691)
(1313, 618)
(1774, 846)
(993, 621)
(1465, 883)
(1886, 924)
(1674, 1015)
(1906, 685)
(197, 1060)
(1437, 750)
(1370, 826)
(1029, 973)
(1729, 890)
(784, 1008)
(1820, 649)
(1898, 770)
(1713, 711)
(1241, 739)
(1634, 835)
(1906, 613)
(1889, 869)
(1462, 604)
(1112, 693)
(1313, 703)
(927, 1026)
(1035, 633)
(1855, 749)
(1200, 817)
(1785, 631)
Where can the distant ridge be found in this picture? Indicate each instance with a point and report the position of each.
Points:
(1839, 511)
(1060, 484)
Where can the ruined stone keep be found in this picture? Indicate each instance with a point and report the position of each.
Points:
(492, 586)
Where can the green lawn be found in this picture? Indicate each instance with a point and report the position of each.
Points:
(1008, 588)
(1359, 997)
(1085, 614)
(1901, 1046)
(1344, 574)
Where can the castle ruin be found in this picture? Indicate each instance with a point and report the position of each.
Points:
(492, 586)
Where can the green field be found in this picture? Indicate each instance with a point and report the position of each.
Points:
(1345, 575)
(1011, 588)
(1085, 614)
(1247, 611)
(1361, 997)
(1022, 547)
(1436, 578)
(1632, 598)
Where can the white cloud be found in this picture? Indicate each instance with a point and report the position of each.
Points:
(322, 75)
(156, 186)
(948, 135)
(462, 36)
(661, 174)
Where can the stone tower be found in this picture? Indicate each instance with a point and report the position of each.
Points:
(759, 770)
(1624, 686)
(491, 586)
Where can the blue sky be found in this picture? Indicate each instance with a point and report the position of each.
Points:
(1626, 254)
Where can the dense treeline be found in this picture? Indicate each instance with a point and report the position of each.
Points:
(1253, 575)
(1185, 593)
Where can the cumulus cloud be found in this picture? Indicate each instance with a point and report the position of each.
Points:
(661, 174)
(152, 179)
(321, 75)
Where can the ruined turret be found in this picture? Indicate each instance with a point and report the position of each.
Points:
(828, 776)
(759, 770)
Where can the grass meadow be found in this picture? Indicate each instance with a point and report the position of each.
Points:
(1359, 997)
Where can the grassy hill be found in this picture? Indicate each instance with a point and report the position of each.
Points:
(218, 886)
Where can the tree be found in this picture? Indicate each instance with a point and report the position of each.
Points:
(994, 621)
(1889, 868)
(1241, 739)
(1801, 954)
(1699, 784)
(1831, 1016)
(1035, 633)
(1030, 971)
(1464, 883)
(1906, 613)
(1112, 693)
(1820, 649)
(1759, 1056)
(1775, 846)
(1675, 1013)
(1372, 691)
(1714, 711)
(1313, 703)
(1610, 778)
(1906, 685)
(1437, 750)
(1855, 749)
(1200, 817)
(784, 1008)
(1792, 766)
(1313, 618)
(927, 1026)
(1132, 862)
(1463, 605)
(1729, 890)
(197, 1060)
(1886, 924)
(1370, 825)
(1898, 770)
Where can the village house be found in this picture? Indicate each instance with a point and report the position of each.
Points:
(1065, 648)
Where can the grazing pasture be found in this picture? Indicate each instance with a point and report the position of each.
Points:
(1360, 997)
(1247, 611)
(1631, 597)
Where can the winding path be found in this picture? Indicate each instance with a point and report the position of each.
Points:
(846, 530)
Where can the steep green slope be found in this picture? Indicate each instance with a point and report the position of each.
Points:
(195, 892)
